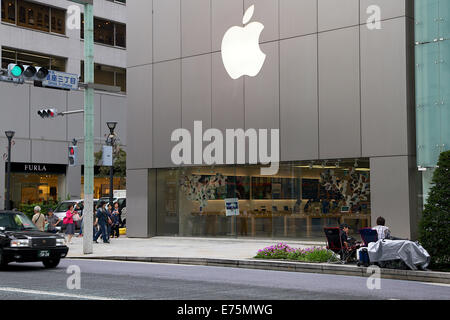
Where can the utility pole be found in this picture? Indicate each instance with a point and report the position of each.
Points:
(88, 212)
(88, 127)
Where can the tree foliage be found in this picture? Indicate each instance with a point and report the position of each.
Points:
(434, 228)
(120, 163)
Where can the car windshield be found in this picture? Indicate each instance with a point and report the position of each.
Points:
(64, 206)
(16, 222)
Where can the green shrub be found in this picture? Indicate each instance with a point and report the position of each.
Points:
(434, 227)
(28, 209)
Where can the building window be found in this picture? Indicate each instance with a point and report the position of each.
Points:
(107, 75)
(9, 11)
(34, 16)
(107, 32)
(31, 58)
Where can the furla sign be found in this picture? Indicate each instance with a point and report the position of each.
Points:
(241, 53)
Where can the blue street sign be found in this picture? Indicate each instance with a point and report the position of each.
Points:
(62, 80)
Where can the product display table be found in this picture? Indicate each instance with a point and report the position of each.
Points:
(253, 216)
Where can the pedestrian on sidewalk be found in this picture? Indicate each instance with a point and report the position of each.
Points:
(79, 209)
(38, 219)
(69, 223)
(115, 221)
(52, 221)
(109, 212)
(102, 221)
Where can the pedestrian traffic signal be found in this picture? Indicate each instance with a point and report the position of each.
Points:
(73, 155)
(27, 72)
(48, 113)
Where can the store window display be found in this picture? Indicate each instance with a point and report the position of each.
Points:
(296, 203)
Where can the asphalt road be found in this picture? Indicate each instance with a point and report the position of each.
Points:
(134, 280)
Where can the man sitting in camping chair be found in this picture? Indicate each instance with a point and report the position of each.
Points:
(341, 243)
(348, 242)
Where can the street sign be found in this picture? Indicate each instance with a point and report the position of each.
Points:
(232, 207)
(107, 156)
(61, 80)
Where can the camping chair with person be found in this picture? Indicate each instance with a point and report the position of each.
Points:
(334, 239)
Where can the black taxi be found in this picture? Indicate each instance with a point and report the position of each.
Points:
(21, 241)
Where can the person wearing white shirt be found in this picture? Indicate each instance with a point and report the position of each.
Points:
(382, 231)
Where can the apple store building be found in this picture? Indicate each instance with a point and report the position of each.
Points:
(270, 118)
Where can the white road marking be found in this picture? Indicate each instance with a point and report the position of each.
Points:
(437, 284)
(52, 293)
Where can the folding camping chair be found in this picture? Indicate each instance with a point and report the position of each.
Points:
(335, 244)
(368, 235)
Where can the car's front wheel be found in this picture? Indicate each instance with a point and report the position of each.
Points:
(51, 263)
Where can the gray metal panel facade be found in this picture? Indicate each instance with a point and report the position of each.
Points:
(319, 84)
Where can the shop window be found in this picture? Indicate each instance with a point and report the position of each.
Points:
(298, 202)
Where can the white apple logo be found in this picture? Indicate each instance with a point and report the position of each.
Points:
(241, 53)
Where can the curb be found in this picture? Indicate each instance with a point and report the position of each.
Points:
(277, 265)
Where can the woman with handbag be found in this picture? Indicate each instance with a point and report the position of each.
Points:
(69, 223)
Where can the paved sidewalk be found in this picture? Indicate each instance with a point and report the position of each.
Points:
(236, 253)
(220, 248)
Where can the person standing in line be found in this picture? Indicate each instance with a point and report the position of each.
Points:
(38, 219)
(102, 221)
(69, 223)
(115, 221)
(52, 221)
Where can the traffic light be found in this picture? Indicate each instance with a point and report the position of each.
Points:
(48, 113)
(15, 70)
(73, 155)
(27, 72)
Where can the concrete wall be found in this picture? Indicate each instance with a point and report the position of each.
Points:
(334, 88)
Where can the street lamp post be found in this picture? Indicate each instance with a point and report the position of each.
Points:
(9, 135)
(111, 141)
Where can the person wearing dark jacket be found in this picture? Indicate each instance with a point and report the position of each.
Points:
(115, 221)
(102, 221)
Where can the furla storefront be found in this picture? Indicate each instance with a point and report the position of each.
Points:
(269, 118)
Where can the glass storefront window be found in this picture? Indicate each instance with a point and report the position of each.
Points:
(35, 188)
(101, 186)
(296, 203)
